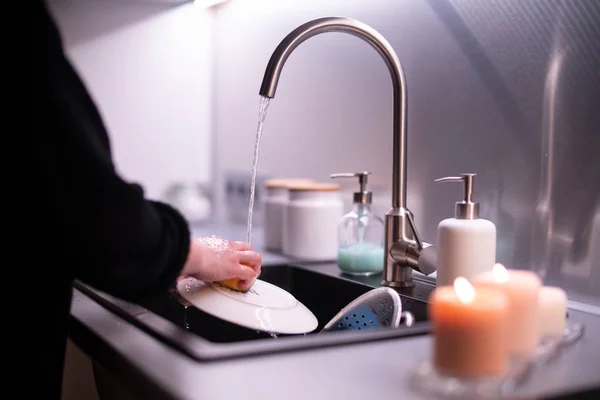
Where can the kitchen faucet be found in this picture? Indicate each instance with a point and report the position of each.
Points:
(404, 249)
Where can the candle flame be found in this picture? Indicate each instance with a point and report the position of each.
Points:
(500, 273)
(464, 290)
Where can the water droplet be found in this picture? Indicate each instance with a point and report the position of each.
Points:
(185, 320)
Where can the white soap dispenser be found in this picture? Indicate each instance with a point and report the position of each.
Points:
(466, 244)
(360, 233)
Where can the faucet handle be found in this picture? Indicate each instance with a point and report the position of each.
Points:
(413, 227)
(427, 263)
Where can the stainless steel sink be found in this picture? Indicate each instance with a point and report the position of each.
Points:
(320, 287)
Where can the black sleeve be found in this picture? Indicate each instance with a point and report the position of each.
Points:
(123, 243)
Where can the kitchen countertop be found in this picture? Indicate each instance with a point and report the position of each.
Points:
(379, 369)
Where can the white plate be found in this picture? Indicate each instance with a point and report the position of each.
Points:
(265, 307)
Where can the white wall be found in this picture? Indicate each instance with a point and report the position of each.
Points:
(148, 66)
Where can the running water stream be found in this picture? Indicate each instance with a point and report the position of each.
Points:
(262, 113)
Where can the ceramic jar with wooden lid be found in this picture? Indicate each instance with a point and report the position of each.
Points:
(275, 202)
(310, 225)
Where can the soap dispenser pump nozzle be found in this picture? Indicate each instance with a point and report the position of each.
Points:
(364, 196)
(465, 209)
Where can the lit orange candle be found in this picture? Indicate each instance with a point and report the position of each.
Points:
(469, 326)
(522, 291)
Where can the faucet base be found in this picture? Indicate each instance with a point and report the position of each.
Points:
(397, 272)
(398, 276)
(395, 284)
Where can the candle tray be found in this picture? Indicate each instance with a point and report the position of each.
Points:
(427, 379)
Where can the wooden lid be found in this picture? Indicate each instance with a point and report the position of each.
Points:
(314, 187)
(286, 182)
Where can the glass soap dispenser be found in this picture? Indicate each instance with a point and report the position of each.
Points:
(360, 233)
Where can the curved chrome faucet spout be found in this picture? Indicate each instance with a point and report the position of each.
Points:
(400, 229)
(385, 50)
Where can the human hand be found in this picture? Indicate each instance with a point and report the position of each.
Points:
(213, 259)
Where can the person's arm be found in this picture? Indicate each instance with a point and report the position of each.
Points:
(123, 243)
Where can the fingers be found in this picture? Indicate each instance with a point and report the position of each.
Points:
(245, 284)
(246, 273)
(250, 262)
(251, 259)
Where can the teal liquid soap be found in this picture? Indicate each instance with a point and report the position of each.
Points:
(361, 259)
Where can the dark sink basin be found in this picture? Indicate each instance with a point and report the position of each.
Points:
(206, 337)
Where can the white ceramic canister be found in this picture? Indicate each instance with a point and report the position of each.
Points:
(310, 225)
(274, 204)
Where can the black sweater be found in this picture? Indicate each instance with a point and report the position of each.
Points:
(97, 227)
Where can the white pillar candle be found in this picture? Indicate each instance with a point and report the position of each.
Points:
(522, 290)
(552, 304)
